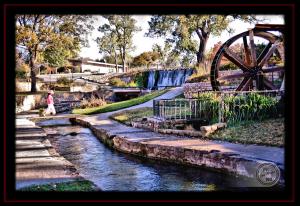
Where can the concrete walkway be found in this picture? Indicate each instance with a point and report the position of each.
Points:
(242, 158)
(36, 160)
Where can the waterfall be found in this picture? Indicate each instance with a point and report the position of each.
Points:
(151, 80)
(168, 78)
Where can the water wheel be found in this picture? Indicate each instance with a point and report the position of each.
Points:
(256, 59)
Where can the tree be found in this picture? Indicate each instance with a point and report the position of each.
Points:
(122, 29)
(107, 44)
(180, 29)
(145, 59)
(47, 35)
(163, 52)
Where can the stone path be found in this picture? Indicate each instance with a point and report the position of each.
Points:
(36, 160)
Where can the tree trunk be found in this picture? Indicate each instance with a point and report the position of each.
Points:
(116, 62)
(124, 60)
(200, 53)
(32, 72)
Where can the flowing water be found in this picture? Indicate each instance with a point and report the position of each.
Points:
(168, 78)
(114, 171)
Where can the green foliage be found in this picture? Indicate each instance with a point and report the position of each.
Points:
(252, 106)
(145, 59)
(238, 108)
(179, 30)
(79, 185)
(228, 66)
(118, 34)
(209, 106)
(132, 84)
(127, 116)
(20, 74)
(120, 105)
(64, 81)
(117, 82)
(52, 38)
(141, 79)
(163, 53)
(21, 70)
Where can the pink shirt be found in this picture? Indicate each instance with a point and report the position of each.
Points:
(50, 99)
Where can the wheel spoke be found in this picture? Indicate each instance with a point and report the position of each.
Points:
(235, 59)
(268, 54)
(244, 85)
(252, 47)
(247, 52)
(269, 84)
(264, 52)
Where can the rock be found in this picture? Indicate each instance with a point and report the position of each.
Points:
(214, 127)
(205, 128)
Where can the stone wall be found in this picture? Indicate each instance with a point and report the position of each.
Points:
(209, 158)
(26, 86)
(170, 127)
(35, 101)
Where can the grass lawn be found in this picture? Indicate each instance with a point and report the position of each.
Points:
(79, 185)
(268, 132)
(119, 105)
(127, 116)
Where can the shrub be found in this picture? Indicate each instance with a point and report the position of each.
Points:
(20, 74)
(141, 79)
(117, 82)
(228, 66)
(64, 81)
(92, 102)
(237, 108)
(252, 106)
(132, 84)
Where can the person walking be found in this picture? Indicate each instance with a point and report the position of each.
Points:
(50, 102)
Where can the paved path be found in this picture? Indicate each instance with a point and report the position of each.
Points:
(36, 160)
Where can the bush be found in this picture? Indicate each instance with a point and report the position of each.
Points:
(64, 81)
(20, 74)
(132, 84)
(117, 82)
(238, 108)
(93, 102)
(141, 79)
(228, 66)
(250, 107)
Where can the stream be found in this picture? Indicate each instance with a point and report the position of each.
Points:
(111, 170)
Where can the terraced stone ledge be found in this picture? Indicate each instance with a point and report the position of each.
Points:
(225, 157)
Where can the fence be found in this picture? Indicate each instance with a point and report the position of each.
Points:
(230, 107)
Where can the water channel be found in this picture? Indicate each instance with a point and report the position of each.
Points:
(114, 171)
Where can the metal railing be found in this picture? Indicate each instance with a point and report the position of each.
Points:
(228, 106)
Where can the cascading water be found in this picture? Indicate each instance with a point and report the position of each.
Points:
(151, 80)
(168, 78)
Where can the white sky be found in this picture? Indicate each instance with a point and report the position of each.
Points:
(143, 43)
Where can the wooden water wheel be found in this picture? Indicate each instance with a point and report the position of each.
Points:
(253, 69)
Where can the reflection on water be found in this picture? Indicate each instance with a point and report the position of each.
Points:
(112, 170)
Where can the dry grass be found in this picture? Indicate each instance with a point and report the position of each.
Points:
(269, 132)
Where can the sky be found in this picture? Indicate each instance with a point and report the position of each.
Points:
(143, 43)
